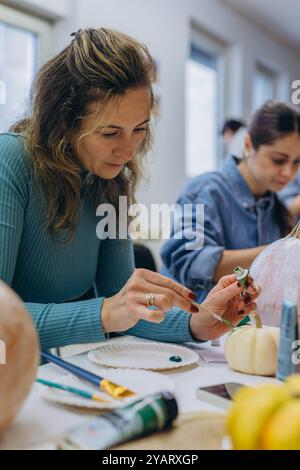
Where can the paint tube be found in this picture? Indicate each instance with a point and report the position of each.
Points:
(289, 339)
(145, 416)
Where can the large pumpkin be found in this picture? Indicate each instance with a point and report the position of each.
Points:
(277, 271)
(19, 357)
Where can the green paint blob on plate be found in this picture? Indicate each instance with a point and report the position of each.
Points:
(175, 359)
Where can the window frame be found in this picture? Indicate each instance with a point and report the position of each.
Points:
(42, 31)
(41, 28)
(208, 44)
(271, 73)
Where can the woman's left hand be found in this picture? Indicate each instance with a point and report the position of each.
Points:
(225, 300)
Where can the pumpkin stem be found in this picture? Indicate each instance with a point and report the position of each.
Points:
(296, 231)
(257, 320)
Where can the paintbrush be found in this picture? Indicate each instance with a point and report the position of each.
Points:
(215, 315)
(114, 390)
(74, 390)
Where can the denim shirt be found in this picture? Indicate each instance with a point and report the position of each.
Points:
(233, 220)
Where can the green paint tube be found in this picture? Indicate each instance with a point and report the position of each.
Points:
(140, 418)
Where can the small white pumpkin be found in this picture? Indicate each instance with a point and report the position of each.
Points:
(19, 356)
(253, 350)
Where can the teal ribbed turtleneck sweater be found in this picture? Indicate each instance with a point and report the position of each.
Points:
(48, 275)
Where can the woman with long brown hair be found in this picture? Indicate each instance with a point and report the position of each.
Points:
(82, 144)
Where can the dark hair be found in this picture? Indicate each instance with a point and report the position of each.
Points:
(273, 121)
(232, 125)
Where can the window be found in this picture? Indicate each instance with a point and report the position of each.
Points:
(23, 43)
(264, 86)
(17, 65)
(206, 77)
(201, 112)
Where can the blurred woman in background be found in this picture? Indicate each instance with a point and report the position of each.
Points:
(242, 211)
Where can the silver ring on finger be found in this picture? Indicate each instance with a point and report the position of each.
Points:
(150, 299)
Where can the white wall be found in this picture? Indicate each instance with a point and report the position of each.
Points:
(164, 25)
(52, 9)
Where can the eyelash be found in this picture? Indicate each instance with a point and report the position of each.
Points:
(282, 162)
(116, 133)
(279, 162)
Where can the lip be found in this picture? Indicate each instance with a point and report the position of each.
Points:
(114, 165)
(281, 183)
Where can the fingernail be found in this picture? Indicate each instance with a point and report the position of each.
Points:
(247, 299)
(241, 312)
(192, 296)
(194, 309)
(252, 289)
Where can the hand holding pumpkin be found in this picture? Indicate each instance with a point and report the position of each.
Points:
(225, 300)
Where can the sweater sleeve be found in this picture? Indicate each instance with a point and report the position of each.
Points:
(14, 179)
(68, 323)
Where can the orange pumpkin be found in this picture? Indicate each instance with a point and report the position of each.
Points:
(19, 355)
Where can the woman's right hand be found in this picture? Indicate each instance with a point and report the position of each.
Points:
(129, 306)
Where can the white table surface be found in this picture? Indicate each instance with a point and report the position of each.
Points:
(40, 422)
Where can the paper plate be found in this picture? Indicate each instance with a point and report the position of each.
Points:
(142, 382)
(140, 355)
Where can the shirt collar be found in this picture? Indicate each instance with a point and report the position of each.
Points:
(240, 187)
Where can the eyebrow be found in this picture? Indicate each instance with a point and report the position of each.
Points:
(285, 155)
(112, 126)
(280, 153)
